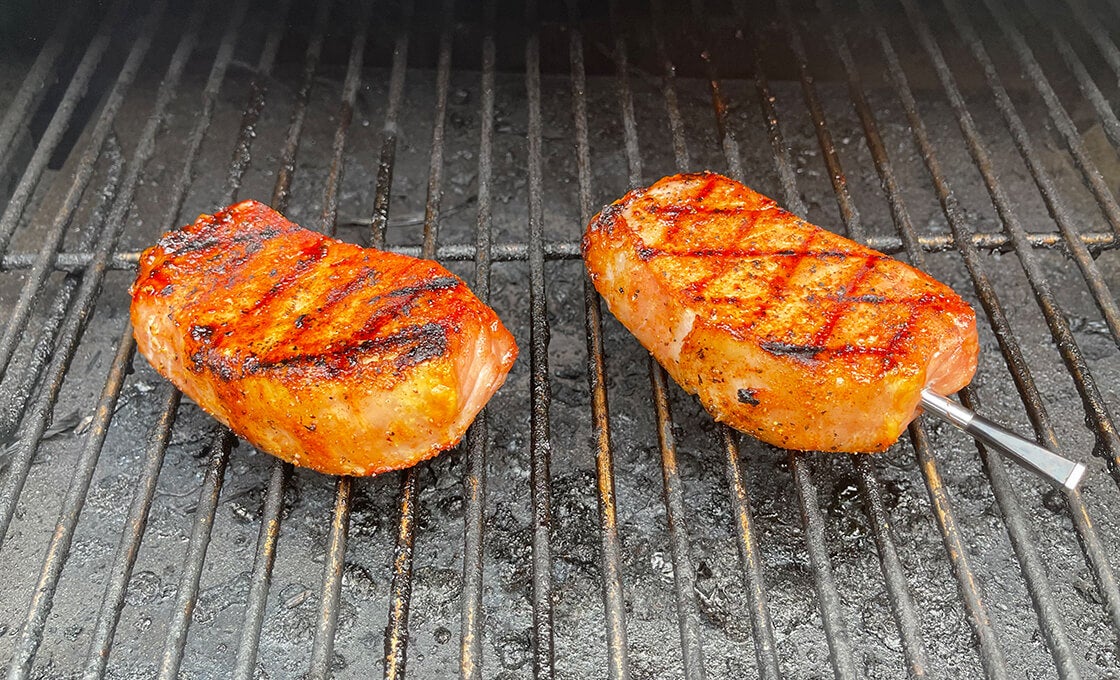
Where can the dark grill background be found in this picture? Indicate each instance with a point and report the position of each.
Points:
(487, 136)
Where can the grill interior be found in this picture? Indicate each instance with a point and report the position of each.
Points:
(562, 538)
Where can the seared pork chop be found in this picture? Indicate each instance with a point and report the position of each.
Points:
(343, 359)
(785, 331)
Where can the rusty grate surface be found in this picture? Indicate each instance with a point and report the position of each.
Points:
(595, 522)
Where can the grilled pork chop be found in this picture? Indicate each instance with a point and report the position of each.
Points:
(785, 331)
(344, 359)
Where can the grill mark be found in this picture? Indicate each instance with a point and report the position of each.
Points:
(780, 283)
(800, 352)
(427, 286)
(698, 288)
(691, 206)
(842, 305)
(878, 299)
(678, 214)
(429, 340)
(402, 299)
(399, 302)
(183, 242)
(367, 276)
(311, 255)
(905, 330)
(416, 344)
(742, 253)
(675, 209)
(709, 184)
(809, 353)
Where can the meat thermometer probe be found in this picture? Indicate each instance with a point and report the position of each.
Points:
(1045, 462)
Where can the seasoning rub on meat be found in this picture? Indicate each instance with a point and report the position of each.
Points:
(343, 359)
(785, 331)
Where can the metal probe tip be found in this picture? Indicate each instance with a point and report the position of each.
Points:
(1042, 461)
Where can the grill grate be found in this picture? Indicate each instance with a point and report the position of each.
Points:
(616, 88)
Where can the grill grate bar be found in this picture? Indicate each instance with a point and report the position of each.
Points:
(31, 633)
(766, 647)
(328, 218)
(1013, 514)
(1108, 440)
(474, 483)
(40, 268)
(400, 589)
(1097, 242)
(110, 611)
(111, 603)
(383, 194)
(898, 590)
(258, 89)
(999, 322)
(79, 313)
(187, 592)
(540, 442)
(761, 625)
(322, 648)
(396, 637)
(1102, 571)
(1092, 26)
(669, 90)
(1058, 113)
(1085, 82)
(435, 167)
(684, 576)
(849, 214)
(74, 92)
(60, 120)
(839, 642)
(1023, 543)
(991, 654)
(273, 504)
(282, 191)
(1104, 298)
(272, 509)
(1090, 541)
(902, 605)
(35, 83)
(614, 599)
(272, 512)
(15, 400)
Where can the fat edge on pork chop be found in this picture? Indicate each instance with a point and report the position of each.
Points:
(344, 359)
(785, 331)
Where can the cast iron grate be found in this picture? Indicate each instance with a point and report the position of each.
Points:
(502, 127)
